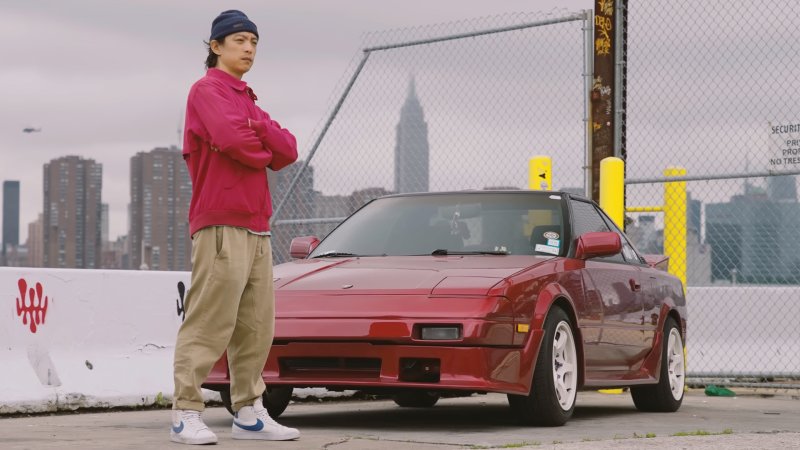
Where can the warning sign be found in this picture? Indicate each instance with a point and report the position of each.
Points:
(784, 146)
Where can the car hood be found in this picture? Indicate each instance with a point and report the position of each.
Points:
(411, 275)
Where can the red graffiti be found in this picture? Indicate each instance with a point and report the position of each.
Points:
(34, 308)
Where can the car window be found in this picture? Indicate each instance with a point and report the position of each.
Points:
(508, 223)
(628, 250)
(587, 219)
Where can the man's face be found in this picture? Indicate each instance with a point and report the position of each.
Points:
(237, 53)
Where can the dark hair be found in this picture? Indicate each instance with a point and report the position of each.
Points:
(211, 59)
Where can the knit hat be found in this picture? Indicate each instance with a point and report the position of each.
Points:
(229, 22)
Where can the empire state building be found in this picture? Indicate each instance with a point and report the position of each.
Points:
(411, 151)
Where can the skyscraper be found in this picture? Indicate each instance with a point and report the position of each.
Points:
(104, 222)
(10, 216)
(35, 243)
(161, 192)
(71, 213)
(411, 153)
(782, 189)
(748, 237)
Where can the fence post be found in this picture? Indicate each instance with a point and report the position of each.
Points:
(675, 223)
(612, 189)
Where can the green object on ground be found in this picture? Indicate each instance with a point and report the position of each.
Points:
(719, 391)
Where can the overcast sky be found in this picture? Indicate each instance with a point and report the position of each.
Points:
(105, 80)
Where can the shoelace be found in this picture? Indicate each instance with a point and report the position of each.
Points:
(193, 420)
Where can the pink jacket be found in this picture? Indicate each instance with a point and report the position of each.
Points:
(228, 143)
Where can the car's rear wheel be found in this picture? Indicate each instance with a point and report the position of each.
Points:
(555, 377)
(275, 399)
(667, 395)
(416, 399)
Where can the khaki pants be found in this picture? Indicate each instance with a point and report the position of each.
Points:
(230, 305)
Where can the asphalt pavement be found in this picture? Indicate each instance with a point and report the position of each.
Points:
(752, 420)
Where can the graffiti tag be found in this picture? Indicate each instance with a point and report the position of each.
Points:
(179, 301)
(31, 306)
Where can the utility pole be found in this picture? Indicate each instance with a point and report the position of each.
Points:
(608, 87)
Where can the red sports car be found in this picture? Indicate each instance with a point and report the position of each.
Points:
(532, 294)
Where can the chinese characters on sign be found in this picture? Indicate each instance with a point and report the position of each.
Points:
(602, 94)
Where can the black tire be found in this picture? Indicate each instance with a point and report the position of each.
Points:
(544, 406)
(416, 399)
(275, 399)
(667, 394)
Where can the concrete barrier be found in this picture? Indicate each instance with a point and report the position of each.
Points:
(86, 338)
(91, 338)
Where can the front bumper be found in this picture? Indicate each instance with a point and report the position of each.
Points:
(365, 366)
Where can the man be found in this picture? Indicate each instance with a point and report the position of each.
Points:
(228, 144)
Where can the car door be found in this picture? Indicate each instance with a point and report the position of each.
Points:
(646, 285)
(614, 345)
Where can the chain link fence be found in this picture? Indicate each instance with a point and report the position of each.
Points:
(445, 107)
(712, 87)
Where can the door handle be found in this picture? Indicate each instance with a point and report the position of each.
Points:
(635, 286)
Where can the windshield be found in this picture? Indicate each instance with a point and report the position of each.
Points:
(459, 223)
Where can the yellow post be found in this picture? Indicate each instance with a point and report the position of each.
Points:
(675, 223)
(612, 200)
(612, 189)
(540, 173)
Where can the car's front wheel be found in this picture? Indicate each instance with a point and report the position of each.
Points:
(416, 399)
(275, 399)
(555, 377)
(667, 395)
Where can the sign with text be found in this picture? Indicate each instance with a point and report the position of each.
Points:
(783, 152)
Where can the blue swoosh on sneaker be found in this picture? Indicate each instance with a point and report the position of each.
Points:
(177, 430)
(258, 426)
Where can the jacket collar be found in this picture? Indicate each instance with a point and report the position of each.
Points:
(227, 78)
(231, 81)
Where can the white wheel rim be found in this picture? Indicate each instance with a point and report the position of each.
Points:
(675, 364)
(565, 365)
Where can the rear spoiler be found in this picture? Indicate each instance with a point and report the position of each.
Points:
(660, 262)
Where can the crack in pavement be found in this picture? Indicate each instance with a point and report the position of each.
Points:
(331, 444)
(404, 441)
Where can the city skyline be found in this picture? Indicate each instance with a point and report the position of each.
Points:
(132, 99)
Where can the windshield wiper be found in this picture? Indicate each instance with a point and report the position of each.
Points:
(334, 254)
(444, 252)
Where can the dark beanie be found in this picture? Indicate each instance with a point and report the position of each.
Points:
(229, 22)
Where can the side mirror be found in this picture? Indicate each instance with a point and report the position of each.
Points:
(603, 243)
(301, 247)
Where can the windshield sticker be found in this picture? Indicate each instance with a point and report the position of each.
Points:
(546, 249)
(555, 197)
(554, 243)
(551, 235)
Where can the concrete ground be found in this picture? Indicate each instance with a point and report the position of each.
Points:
(484, 421)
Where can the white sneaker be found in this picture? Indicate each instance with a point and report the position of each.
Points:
(188, 428)
(253, 422)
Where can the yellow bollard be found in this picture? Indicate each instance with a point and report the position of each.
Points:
(675, 223)
(611, 391)
(540, 173)
(612, 189)
(612, 199)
